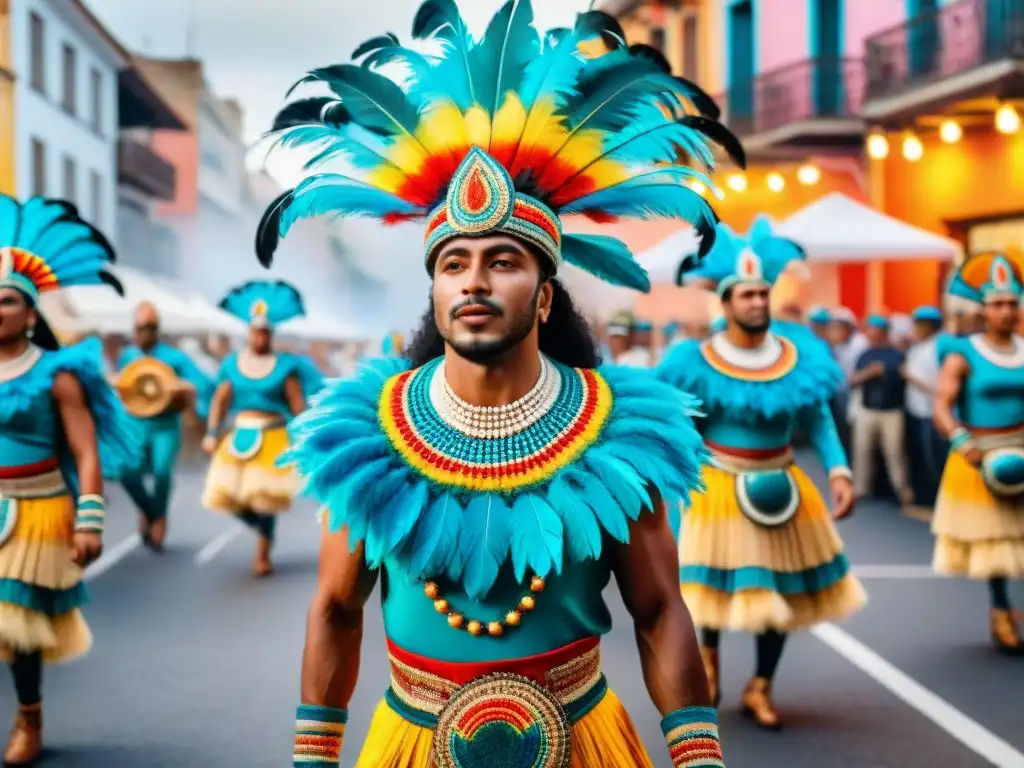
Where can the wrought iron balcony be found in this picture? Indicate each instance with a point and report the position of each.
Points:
(800, 104)
(140, 167)
(964, 36)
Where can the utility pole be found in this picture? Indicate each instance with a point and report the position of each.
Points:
(192, 30)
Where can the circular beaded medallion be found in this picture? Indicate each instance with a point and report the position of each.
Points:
(502, 721)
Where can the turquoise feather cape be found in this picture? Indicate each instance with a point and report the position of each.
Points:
(118, 438)
(351, 467)
(815, 379)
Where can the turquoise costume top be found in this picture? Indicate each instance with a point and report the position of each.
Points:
(265, 394)
(479, 515)
(185, 368)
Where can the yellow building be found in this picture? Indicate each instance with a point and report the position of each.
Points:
(6, 101)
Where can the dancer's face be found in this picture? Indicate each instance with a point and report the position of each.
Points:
(16, 315)
(748, 306)
(259, 340)
(1002, 315)
(489, 293)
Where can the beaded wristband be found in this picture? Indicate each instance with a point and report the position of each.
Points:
(692, 737)
(959, 438)
(319, 732)
(840, 472)
(92, 514)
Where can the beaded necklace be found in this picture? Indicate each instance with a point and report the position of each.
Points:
(18, 366)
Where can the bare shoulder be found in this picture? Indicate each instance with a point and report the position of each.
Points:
(66, 387)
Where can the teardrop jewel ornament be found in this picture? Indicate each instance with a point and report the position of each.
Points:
(481, 197)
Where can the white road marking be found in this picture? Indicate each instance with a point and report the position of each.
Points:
(969, 732)
(896, 572)
(215, 547)
(112, 557)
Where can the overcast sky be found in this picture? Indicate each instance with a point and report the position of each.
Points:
(255, 49)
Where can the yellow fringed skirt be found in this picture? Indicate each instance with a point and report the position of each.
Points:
(977, 535)
(738, 575)
(603, 737)
(41, 588)
(244, 475)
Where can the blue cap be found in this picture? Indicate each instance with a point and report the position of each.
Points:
(644, 325)
(927, 314)
(819, 315)
(877, 321)
(671, 329)
(719, 324)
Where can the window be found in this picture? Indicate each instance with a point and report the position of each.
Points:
(96, 197)
(37, 46)
(691, 47)
(38, 167)
(70, 179)
(658, 38)
(96, 100)
(70, 77)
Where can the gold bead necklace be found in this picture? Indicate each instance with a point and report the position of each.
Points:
(494, 628)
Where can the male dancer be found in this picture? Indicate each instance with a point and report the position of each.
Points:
(758, 551)
(979, 407)
(162, 433)
(501, 480)
(60, 427)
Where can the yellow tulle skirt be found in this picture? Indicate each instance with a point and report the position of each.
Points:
(738, 575)
(603, 738)
(977, 535)
(254, 483)
(41, 589)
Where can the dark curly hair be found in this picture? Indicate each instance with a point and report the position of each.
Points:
(566, 336)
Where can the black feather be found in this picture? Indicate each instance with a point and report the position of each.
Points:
(720, 135)
(600, 24)
(113, 282)
(310, 111)
(101, 240)
(268, 233)
(704, 103)
(376, 43)
(652, 54)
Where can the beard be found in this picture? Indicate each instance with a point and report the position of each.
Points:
(757, 326)
(486, 350)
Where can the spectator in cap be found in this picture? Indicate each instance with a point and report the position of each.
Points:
(880, 421)
(818, 318)
(847, 344)
(925, 447)
(640, 352)
(619, 335)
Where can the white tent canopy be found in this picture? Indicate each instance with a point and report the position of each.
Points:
(662, 260)
(836, 228)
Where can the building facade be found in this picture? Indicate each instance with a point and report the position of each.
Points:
(7, 138)
(66, 106)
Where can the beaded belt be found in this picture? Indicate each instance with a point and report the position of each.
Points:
(739, 460)
(514, 706)
(40, 479)
(991, 439)
(270, 421)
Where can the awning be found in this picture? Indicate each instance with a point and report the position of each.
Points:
(317, 327)
(837, 228)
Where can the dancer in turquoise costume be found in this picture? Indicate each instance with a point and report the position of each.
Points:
(258, 392)
(162, 433)
(496, 478)
(60, 423)
(758, 551)
(979, 408)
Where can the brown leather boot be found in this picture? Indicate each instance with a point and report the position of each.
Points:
(757, 704)
(26, 742)
(710, 657)
(1005, 633)
(261, 565)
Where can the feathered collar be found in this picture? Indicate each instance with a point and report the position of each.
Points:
(372, 450)
(793, 371)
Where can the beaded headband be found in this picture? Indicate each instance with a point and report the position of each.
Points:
(990, 276)
(258, 314)
(481, 201)
(26, 272)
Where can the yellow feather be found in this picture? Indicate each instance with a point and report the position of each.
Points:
(584, 147)
(386, 178)
(442, 128)
(543, 129)
(478, 126)
(508, 122)
(407, 154)
(605, 173)
(592, 48)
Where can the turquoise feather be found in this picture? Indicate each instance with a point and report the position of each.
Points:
(721, 262)
(436, 548)
(282, 300)
(485, 536)
(606, 258)
(334, 193)
(510, 43)
(441, 20)
(537, 538)
(582, 531)
(395, 520)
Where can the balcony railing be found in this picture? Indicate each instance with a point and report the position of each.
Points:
(955, 39)
(140, 167)
(813, 89)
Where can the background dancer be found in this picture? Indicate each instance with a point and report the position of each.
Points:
(758, 551)
(979, 407)
(261, 390)
(60, 422)
(162, 432)
(502, 480)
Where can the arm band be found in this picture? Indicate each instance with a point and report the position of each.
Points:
(319, 732)
(959, 438)
(92, 514)
(692, 737)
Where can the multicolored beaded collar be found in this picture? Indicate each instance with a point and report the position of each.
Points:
(775, 359)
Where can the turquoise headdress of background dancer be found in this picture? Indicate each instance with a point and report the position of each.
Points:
(61, 429)
(757, 551)
(489, 143)
(258, 391)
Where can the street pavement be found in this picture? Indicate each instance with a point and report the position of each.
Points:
(197, 664)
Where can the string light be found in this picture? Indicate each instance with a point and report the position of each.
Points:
(808, 175)
(775, 182)
(737, 182)
(878, 146)
(950, 132)
(913, 149)
(1007, 119)
(699, 188)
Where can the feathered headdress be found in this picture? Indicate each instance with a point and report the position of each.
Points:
(505, 135)
(989, 276)
(45, 245)
(759, 257)
(264, 303)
